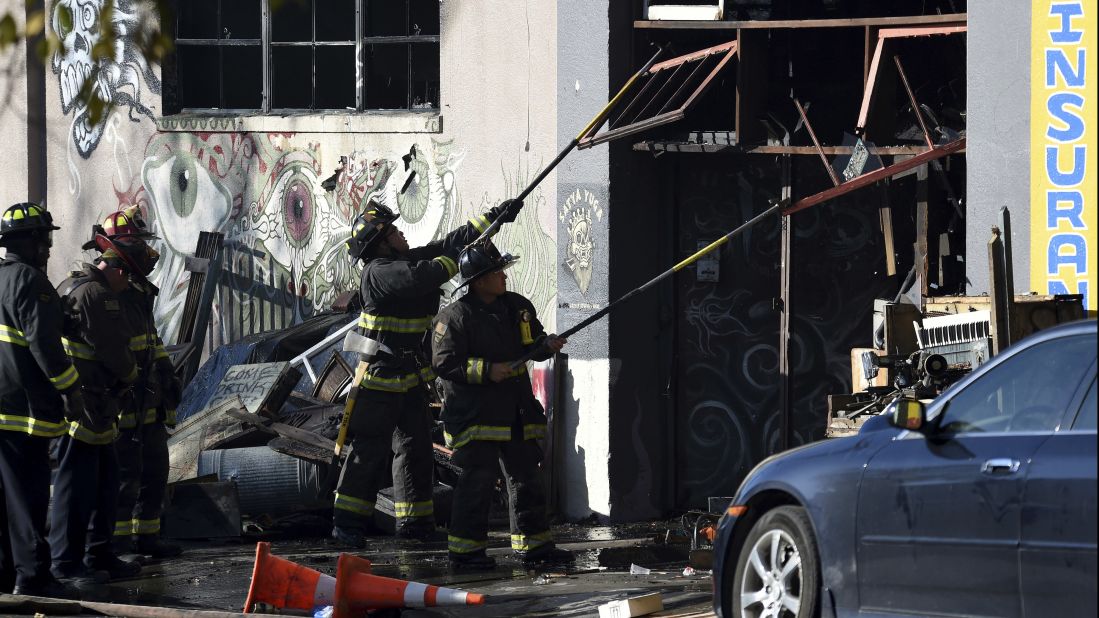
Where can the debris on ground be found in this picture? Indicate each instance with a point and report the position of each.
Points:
(636, 606)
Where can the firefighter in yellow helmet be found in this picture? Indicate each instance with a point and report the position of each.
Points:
(39, 395)
(142, 445)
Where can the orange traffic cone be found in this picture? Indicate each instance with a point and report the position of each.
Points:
(357, 591)
(279, 583)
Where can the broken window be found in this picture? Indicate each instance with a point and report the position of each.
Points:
(313, 55)
(401, 54)
(219, 60)
(255, 55)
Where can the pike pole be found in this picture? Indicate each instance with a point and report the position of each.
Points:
(775, 208)
(594, 124)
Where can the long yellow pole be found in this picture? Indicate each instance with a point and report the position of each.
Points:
(595, 122)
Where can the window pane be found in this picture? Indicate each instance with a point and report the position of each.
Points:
(291, 77)
(1086, 419)
(197, 19)
(1028, 392)
(385, 18)
(336, 77)
(423, 17)
(240, 19)
(292, 21)
(336, 20)
(425, 76)
(198, 77)
(242, 77)
(387, 76)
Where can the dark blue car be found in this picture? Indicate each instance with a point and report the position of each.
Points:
(982, 503)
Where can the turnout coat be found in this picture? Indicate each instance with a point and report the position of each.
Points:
(467, 337)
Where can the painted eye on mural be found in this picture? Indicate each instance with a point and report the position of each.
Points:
(64, 20)
(183, 183)
(297, 209)
(186, 199)
(88, 15)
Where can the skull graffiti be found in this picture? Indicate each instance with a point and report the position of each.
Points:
(579, 249)
(115, 79)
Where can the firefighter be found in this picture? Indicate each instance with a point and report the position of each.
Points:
(490, 416)
(400, 295)
(39, 395)
(142, 445)
(86, 486)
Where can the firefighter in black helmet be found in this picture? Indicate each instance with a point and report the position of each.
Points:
(142, 445)
(400, 295)
(39, 396)
(490, 415)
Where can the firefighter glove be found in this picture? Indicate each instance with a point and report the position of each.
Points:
(173, 390)
(73, 405)
(507, 211)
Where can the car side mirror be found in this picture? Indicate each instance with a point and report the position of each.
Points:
(907, 414)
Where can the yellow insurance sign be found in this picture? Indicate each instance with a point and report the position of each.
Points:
(1063, 148)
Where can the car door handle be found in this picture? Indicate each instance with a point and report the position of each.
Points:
(1000, 465)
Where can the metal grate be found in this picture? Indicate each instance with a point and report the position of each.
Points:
(667, 92)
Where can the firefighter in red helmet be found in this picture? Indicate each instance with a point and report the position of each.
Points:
(142, 446)
(86, 486)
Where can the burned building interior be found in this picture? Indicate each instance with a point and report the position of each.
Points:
(754, 340)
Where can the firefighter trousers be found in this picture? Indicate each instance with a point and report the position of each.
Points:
(85, 493)
(380, 423)
(25, 478)
(143, 479)
(481, 463)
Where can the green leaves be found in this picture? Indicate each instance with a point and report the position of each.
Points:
(9, 33)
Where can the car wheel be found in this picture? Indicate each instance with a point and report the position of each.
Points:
(778, 571)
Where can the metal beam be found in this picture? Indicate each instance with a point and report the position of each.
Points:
(798, 23)
(870, 178)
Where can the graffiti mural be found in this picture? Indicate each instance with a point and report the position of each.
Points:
(120, 79)
(577, 213)
(284, 233)
(532, 276)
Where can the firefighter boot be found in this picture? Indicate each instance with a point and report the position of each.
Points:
(151, 545)
(475, 561)
(425, 532)
(116, 567)
(349, 537)
(79, 576)
(50, 588)
(548, 554)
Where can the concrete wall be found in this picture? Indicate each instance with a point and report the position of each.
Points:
(257, 179)
(582, 255)
(998, 122)
(13, 112)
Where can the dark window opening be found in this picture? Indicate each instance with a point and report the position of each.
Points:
(401, 55)
(304, 56)
(218, 62)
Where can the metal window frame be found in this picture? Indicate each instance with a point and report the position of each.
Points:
(267, 44)
(664, 115)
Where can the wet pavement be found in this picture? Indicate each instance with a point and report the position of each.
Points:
(216, 575)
